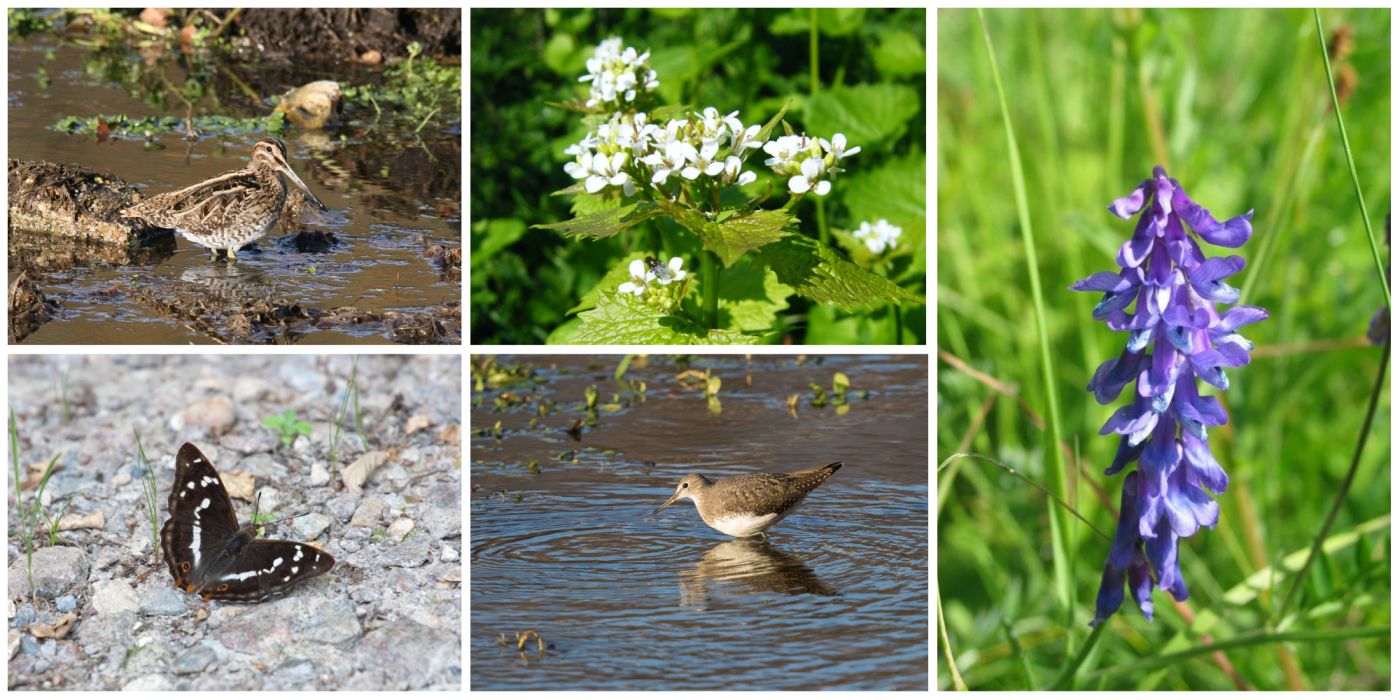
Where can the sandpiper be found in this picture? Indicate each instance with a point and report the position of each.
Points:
(228, 211)
(748, 504)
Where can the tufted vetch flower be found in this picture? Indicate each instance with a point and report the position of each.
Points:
(1164, 297)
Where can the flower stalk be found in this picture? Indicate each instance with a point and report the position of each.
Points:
(1175, 337)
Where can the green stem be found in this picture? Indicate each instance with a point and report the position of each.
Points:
(1066, 679)
(1061, 542)
(898, 324)
(1351, 162)
(1342, 492)
(710, 270)
(1152, 663)
(812, 49)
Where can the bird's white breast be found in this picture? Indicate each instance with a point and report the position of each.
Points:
(743, 524)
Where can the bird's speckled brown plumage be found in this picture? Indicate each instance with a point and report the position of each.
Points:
(758, 501)
(228, 211)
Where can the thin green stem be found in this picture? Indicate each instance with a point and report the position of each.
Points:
(1248, 640)
(1351, 161)
(958, 682)
(710, 270)
(1066, 679)
(1061, 542)
(812, 51)
(1340, 500)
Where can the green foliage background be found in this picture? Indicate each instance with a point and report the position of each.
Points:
(1235, 105)
(871, 73)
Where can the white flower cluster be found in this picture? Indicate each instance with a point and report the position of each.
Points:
(644, 273)
(809, 164)
(706, 144)
(618, 75)
(879, 236)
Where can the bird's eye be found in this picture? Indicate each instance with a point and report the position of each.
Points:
(685, 485)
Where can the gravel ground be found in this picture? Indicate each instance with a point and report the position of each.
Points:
(104, 613)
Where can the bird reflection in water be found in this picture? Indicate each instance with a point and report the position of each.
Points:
(749, 565)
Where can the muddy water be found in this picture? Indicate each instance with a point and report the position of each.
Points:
(564, 542)
(387, 205)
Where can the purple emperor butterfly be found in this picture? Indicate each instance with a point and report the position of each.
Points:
(209, 554)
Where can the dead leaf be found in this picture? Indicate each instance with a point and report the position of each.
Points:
(89, 521)
(451, 434)
(239, 485)
(415, 424)
(58, 630)
(355, 475)
(14, 642)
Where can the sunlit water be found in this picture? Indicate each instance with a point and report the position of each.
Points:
(836, 598)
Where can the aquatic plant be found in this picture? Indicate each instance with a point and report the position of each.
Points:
(1175, 337)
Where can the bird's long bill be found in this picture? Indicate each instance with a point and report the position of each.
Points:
(286, 169)
(668, 502)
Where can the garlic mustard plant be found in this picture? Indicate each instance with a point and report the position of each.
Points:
(639, 161)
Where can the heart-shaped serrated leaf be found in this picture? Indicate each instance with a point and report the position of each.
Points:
(622, 319)
(605, 223)
(736, 235)
(819, 273)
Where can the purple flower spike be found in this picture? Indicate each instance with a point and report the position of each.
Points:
(1175, 338)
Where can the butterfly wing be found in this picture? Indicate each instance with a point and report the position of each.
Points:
(201, 519)
(264, 567)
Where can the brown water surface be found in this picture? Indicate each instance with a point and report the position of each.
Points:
(387, 204)
(563, 541)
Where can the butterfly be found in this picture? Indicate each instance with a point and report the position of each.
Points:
(209, 554)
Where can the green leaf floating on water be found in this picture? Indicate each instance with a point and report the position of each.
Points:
(734, 237)
(622, 319)
(819, 273)
(603, 224)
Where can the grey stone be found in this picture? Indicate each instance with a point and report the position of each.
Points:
(214, 414)
(193, 660)
(336, 621)
(268, 499)
(114, 597)
(25, 615)
(161, 600)
(410, 656)
(310, 526)
(56, 569)
(151, 682)
(414, 551)
(253, 442)
(370, 513)
(449, 554)
(319, 475)
(441, 522)
(343, 506)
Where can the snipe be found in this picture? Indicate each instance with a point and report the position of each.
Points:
(228, 211)
(748, 504)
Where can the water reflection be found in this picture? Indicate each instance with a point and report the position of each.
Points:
(749, 565)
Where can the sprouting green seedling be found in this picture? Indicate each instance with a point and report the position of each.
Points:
(29, 514)
(287, 425)
(819, 399)
(150, 495)
(590, 396)
(349, 403)
(53, 521)
(792, 404)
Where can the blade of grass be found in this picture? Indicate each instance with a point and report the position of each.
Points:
(1062, 544)
(958, 683)
(1351, 161)
(1242, 641)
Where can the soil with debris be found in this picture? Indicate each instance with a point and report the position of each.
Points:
(342, 34)
(96, 609)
